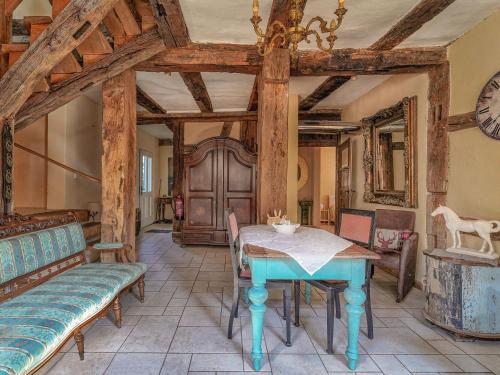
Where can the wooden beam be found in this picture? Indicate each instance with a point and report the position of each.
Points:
(280, 11)
(231, 58)
(119, 152)
(165, 142)
(5, 34)
(461, 122)
(366, 61)
(72, 26)
(144, 118)
(146, 101)
(139, 49)
(147, 118)
(226, 128)
(322, 92)
(437, 152)
(248, 134)
(178, 173)
(173, 30)
(409, 24)
(318, 140)
(272, 130)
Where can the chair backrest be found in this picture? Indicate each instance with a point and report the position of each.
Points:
(357, 226)
(233, 238)
(395, 219)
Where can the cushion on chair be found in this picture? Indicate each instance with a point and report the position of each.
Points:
(35, 323)
(390, 239)
(25, 253)
(246, 273)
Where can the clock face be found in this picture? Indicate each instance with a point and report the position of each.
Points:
(488, 108)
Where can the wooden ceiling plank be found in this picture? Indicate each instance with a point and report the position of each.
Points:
(173, 29)
(141, 48)
(425, 11)
(75, 23)
(322, 92)
(146, 101)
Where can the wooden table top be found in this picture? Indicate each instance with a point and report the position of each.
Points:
(352, 252)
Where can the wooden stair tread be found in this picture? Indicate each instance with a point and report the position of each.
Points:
(14, 47)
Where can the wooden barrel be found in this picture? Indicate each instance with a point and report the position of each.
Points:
(463, 294)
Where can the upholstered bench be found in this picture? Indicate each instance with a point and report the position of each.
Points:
(48, 294)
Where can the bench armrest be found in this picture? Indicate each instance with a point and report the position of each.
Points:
(117, 248)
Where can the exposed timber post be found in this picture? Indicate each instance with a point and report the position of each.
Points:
(119, 162)
(272, 133)
(437, 152)
(178, 164)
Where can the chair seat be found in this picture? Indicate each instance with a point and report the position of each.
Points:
(389, 260)
(380, 250)
(37, 322)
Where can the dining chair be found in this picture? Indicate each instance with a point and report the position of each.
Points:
(242, 279)
(357, 226)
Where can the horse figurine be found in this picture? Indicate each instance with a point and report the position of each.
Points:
(456, 225)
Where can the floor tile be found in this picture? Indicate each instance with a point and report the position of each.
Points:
(390, 365)
(467, 363)
(104, 339)
(421, 329)
(205, 340)
(479, 346)
(296, 364)
(153, 334)
(216, 362)
(491, 362)
(427, 363)
(176, 364)
(205, 299)
(338, 363)
(201, 317)
(276, 337)
(93, 364)
(136, 363)
(395, 341)
(391, 313)
(145, 310)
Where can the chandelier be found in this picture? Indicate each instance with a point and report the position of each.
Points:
(279, 35)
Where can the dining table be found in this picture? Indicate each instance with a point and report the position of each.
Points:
(308, 254)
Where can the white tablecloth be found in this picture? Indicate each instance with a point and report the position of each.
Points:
(311, 248)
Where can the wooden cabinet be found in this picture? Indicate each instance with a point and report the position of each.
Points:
(219, 173)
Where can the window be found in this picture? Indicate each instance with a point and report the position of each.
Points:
(146, 174)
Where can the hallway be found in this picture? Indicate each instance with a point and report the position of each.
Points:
(181, 328)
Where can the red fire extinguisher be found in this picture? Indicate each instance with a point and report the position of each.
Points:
(179, 207)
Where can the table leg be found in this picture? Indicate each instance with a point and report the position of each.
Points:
(245, 296)
(258, 296)
(355, 297)
(308, 293)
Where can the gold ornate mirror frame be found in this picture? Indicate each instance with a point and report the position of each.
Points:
(407, 110)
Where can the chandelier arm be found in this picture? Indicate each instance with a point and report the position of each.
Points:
(319, 41)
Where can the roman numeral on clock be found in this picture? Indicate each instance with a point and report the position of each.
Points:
(487, 122)
(496, 131)
(484, 110)
(495, 84)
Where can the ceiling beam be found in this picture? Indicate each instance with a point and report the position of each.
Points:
(348, 62)
(72, 26)
(146, 101)
(462, 121)
(173, 30)
(322, 92)
(226, 128)
(280, 11)
(125, 57)
(144, 118)
(409, 24)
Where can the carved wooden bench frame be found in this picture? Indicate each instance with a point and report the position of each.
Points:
(20, 225)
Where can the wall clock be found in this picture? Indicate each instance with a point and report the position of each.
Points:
(488, 108)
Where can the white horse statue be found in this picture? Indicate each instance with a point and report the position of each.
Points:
(483, 228)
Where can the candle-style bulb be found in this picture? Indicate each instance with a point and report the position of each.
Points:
(255, 7)
(341, 4)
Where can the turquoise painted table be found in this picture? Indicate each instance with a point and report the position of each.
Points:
(267, 264)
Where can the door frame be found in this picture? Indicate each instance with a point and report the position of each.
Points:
(147, 153)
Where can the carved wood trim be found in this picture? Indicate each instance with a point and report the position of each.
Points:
(7, 165)
(406, 109)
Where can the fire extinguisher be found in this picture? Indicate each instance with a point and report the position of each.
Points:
(179, 207)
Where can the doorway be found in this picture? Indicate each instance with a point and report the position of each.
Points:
(146, 201)
(317, 186)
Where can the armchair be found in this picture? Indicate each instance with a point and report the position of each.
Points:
(400, 260)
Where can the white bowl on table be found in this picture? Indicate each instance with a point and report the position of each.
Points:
(285, 228)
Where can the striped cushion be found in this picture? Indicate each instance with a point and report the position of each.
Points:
(26, 253)
(35, 323)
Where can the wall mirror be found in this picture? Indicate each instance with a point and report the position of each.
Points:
(390, 155)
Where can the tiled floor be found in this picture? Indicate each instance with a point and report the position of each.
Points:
(181, 328)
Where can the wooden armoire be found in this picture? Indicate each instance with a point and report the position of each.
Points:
(219, 173)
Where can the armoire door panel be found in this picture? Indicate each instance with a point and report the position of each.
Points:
(240, 177)
(201, 212)
(201, 176)
(243, 209)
